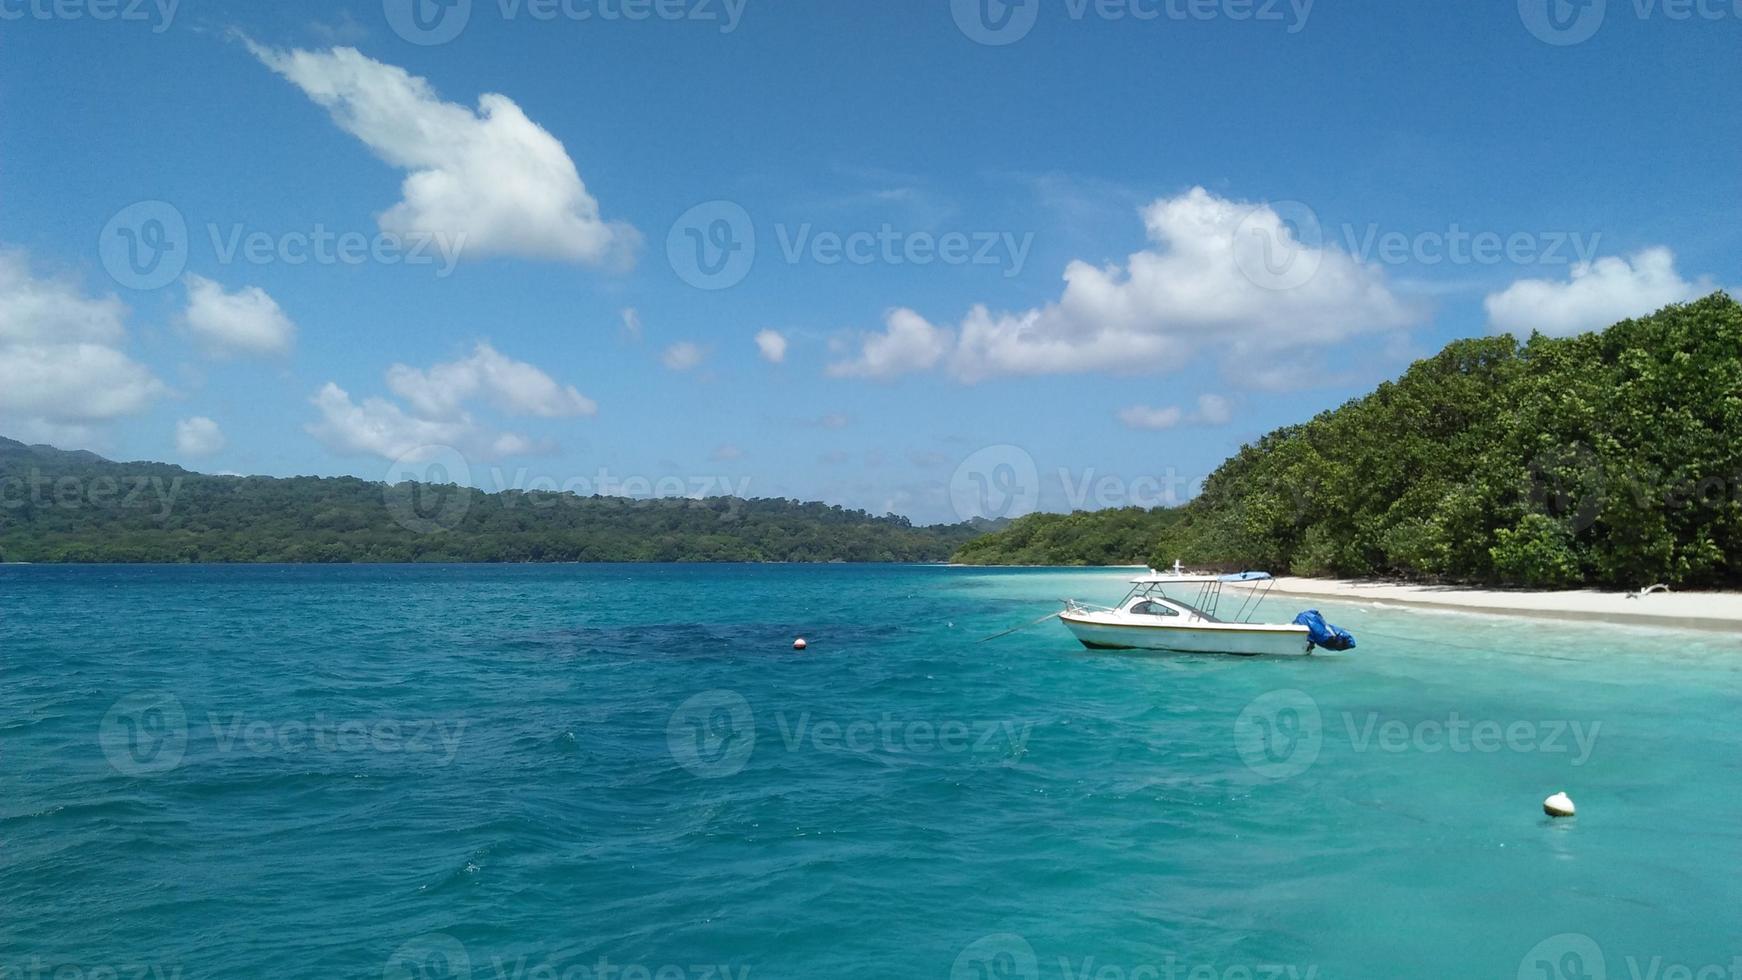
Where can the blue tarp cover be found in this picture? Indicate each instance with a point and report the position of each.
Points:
(1324, 634)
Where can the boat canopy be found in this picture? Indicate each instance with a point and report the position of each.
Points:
(1187, 578)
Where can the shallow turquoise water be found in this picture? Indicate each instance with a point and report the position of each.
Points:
(523, 771)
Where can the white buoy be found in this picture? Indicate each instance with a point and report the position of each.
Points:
(799, 644)
(1558, 805)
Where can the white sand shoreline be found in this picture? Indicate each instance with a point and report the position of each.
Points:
(1720, 611)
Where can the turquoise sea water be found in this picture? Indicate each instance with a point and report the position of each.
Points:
(626, 772)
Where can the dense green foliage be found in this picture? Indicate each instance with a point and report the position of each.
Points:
(1125, 536)
(58, 506)
(1610, 458)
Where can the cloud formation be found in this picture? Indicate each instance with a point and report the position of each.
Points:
(1212, 410)
(199, 436)
(514, 387)
(247, 321)
(682, 356)
(1595, 295)
(62, 367)
(437, 413)
(493, 179)
(1220, 276)
(771, 345)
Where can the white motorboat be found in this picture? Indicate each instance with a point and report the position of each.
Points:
(1177, 611)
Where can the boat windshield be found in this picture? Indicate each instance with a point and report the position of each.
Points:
(1153, 590)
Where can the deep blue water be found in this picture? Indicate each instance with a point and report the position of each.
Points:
(626, 772)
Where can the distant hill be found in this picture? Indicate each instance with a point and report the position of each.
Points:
(59, 506)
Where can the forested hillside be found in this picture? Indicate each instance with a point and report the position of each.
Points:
(60, 506)
(1611, 458)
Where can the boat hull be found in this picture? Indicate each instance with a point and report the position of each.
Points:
(1248, 640)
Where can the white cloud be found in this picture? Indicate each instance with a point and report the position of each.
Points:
(1203, 285)
(378, 427)
(515, 387)
(492, 176)
(1596, 295)
(198, 436)
(907, 344)
(726, 453)
(631, 329)
(247, 321)
(1144, 417)
(1212, 410)
(436, 411)
(61, 366)
(771, 345)
(682, 356)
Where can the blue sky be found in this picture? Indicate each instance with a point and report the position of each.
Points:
(1077, 266)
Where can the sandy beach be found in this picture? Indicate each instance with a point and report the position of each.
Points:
(1688, 610)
